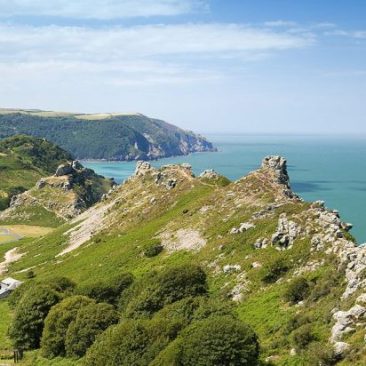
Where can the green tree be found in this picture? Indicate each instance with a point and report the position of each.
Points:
(156, 290)
(218, 341)
(31, 311)
(91, 320)
(133, 342)
(110, 291)
(57, 323)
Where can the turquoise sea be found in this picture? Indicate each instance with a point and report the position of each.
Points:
(332, 169)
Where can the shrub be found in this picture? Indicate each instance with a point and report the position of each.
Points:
(303, 336)
(218, 341)
(325, 284)
(153, 250)
(30, 274)
(133, 342)
(57, 323)
(31, 311)
(180, 311)
(321, 354)
(61, 284)
(91, 320)
(298, 290)
(296, 322)
(214, 307)
(108, 292)
(157, 290)
(275, 270)
(16, 295)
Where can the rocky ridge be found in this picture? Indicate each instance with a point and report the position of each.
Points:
(238, 231)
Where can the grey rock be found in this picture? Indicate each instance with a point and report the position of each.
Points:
(279, 165)
(64, 169)
(209, 174)
(142, 168)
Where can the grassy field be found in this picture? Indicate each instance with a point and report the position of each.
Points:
(27, 230)
(5, 318)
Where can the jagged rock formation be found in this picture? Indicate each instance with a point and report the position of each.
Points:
(66, 194)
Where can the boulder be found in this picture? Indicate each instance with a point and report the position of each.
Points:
(64, 169)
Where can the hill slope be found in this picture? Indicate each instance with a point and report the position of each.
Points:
(104, 136)
(291, 267)
(23, 161)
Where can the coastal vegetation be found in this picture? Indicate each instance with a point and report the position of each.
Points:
(169, 267)
(104, 136)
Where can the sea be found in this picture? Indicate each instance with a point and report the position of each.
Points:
(328, 168)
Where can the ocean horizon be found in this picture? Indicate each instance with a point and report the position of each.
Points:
(328, 168)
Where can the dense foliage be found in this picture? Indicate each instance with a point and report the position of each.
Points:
(218, 341)
(108, 291)
(57, 323)
(30, 313)
(159, 289)
(122, 137)
(91, 320)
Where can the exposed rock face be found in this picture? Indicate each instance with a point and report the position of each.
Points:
(287, 232)
(209, 174)
(142, 168)
(64, 169)
(279, 165)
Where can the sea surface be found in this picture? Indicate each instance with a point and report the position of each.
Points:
(332, 169)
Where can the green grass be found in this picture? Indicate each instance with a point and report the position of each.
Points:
(5, 319)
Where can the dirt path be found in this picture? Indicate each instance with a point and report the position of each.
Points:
(92, 221)
(10, 256)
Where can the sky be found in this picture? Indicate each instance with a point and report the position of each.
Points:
(212, 66)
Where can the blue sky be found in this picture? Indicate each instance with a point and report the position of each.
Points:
(237, 66)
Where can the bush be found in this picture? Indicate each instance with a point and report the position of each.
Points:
(133, 342)
(108, 292)
(30, 274)
(57, 323)
(321, 354)
(325, 284)
(275, 270)
(157, 290)
(218, 341)
(214, 307)
(61, 284)
(31, 311)
(91, 320)
(180, 311)
(153, 250)
(16, 295)
(303, 336)
(296, 322)
(297, 291)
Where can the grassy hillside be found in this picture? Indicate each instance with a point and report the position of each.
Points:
(104, 136)
(286, 265)
(23, 161)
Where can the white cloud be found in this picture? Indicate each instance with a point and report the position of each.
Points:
(280, 23)
(137, 55)
(357, 34)
(100, 9)
(22, 43)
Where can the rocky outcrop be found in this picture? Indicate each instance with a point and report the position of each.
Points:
(278, 165)
(209, 174)
(286, 233)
